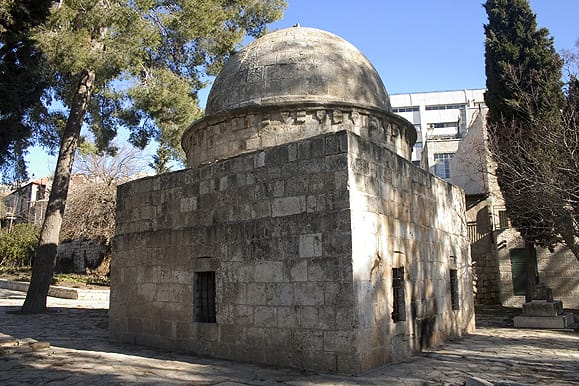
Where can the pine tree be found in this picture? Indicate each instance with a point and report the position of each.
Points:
(23, 82)
(526, 121)
(136, 64)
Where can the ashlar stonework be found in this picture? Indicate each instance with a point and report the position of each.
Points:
(300, 235)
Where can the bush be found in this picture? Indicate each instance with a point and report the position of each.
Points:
(18, 247)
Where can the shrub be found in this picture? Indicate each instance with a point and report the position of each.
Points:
(18, 247)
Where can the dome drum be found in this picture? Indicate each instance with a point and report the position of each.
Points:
(229, 134)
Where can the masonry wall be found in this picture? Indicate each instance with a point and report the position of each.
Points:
(484, 253)
(302, 239)
(405, 217)
(558, 269)
(78, 255)
(275, 227)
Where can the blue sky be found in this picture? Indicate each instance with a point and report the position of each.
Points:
(415, 45)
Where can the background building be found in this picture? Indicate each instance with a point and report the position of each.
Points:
(441, 119)
(28, 202)
(502, 262)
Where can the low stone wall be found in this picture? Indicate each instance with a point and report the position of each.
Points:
(59, 292)
(77, 255)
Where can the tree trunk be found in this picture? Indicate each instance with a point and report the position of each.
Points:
(43, 264)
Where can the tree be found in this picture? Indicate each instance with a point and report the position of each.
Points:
(135, 64)
(532, 129)
(24, 119)
(91, 205)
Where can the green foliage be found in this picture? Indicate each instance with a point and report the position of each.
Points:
(522, 67)
(18, 247)
(24, 78)
(149, 59)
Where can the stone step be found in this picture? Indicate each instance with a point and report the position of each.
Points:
(547, 322)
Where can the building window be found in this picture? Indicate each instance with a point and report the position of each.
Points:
(503, 219)
(442, 164)
(443, 125)
(445, 107)
(204, 297)
(399, 304)
(405, 109)
(454, 298)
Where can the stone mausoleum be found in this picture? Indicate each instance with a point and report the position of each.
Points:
(301, 235)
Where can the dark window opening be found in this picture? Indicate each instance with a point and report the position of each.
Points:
(399, 304)
(503, 219)
(204, 297)
(454, 298)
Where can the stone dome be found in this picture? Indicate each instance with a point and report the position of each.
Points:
(297, 66)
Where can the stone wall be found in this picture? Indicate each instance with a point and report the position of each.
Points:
(484, 254)
(246, 130)
(274, 225)
(403, 216)
(558, 269)
(77, 255)
(292, 234)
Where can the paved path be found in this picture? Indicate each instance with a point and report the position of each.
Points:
(81, 354)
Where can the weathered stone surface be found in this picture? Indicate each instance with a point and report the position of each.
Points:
(542, 308)
(559, 321)
(325, 272)
(300, 202)
(542, 292)
(298, 65)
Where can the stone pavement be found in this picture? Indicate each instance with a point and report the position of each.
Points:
(80, 353)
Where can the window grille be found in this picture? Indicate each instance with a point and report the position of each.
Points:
(399, 304)
(204, 297)
(454, 298)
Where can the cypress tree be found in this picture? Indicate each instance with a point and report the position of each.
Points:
(523, 69)
(526, 122)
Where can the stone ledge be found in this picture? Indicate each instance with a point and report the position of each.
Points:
(565, 320)
(59, 292)
(543, 308)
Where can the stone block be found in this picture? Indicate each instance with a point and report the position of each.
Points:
(342, 341)
(307, 339)
(264, 316)
(308, 294)
(554, 322)
(324, 269)
(543, 308)
(310, 245)
(320, 360)
(543, 292)
(288, 317)
(298, 270)
(287, 206)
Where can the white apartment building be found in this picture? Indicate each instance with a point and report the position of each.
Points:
(441, 119)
